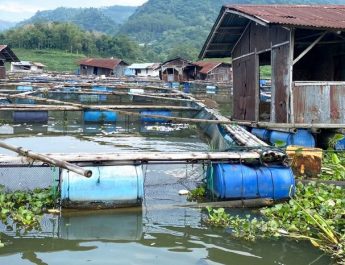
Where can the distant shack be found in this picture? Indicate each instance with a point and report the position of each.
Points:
(6, 55)
(101, 66)
(143, 70)
(26, 66)
(214, 71)
(178, 70)
(303, 46)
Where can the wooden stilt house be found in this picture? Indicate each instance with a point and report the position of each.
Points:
(6, 55)
(301, 47)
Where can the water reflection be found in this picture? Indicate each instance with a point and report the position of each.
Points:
(123, 237)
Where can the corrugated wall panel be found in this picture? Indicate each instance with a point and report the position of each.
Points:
(319, 103)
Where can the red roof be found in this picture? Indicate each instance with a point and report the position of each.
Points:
(207, 67)
(316, 16)
(102, 63)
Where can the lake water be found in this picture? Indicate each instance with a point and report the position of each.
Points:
(162, 231)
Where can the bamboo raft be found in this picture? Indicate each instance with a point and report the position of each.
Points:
(249, 149)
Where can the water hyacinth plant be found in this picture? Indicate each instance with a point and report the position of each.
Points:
(317, 214)
(23, 209)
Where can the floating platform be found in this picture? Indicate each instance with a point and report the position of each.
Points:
(241, 167)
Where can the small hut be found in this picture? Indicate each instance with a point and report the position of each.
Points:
(101, 66)
(26, 66)
(301, 48)
(143, 69)
(214, 71)
(6, 55)
(178, 70)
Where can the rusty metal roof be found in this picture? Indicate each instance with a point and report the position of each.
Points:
(233, 19)
(7, 54)
(316, 16)
(207, 66)
(101, 62)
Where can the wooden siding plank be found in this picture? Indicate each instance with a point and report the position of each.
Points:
(245, 99)
(280, 84)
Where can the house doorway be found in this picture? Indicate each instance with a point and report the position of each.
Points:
(265, 86)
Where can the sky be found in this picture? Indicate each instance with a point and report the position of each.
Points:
(17, 10)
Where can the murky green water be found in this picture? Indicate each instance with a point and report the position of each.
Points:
(162, 231)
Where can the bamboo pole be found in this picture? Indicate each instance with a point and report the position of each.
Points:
(191, 157)
(248, 203)
(239, 134)
(50, 160)
(30, 107)
(129, 113)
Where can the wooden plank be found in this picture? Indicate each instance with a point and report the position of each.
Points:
(280, 84)
(273, 125)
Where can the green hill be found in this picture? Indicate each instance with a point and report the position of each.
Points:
(106, 20)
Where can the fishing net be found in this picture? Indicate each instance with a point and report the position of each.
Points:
(14, 176)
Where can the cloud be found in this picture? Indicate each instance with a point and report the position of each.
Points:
(16, 10)
(13, 7)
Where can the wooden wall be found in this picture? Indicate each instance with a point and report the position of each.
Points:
(255, 40)
(245, 88)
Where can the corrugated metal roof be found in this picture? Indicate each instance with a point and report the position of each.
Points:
(2, 47)
(206, 66)
(233, 19)
(142, 66)
(101, 62)
(316, 16)
(8, 54)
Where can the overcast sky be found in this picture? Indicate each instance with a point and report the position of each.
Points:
(17, 10)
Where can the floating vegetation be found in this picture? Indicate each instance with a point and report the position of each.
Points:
(317, 214)
(333, 166)
(197, 195)
(23, 209)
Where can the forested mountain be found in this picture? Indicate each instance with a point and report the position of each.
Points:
(70, 38)
(164, 28)
(4, 25)
(177, 27)
(106, 19)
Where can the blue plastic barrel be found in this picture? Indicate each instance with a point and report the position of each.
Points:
(211, 89)
(99, 116)
(186, 87)
(238, 181)
(166, 113)
(24, 88)
(24, 100)
(30, 116)
(283, 137)
(109, 186)
(261, 133)
(89, 98)
(340, 145)
(4, 101)
(301, 138)
(100, 89)
(71, 89)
